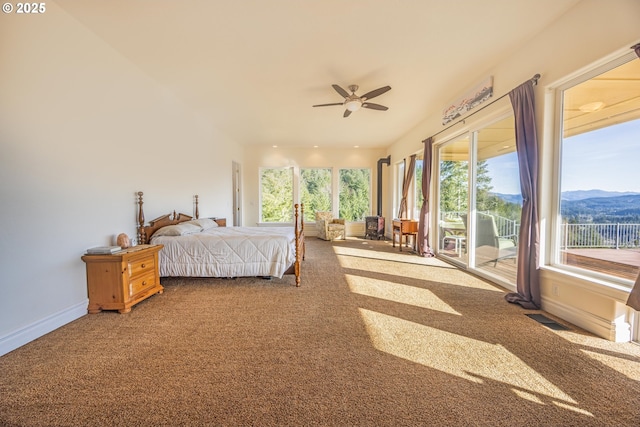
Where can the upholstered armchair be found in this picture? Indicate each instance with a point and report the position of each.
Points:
(330, 228)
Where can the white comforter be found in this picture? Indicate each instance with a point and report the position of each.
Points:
(228, 252)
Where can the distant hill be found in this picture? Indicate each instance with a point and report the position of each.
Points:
(607, 209)
(590, 194)
(593, 206)
(571, 195)
(511, 198)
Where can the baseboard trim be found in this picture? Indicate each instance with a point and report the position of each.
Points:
(610, 330)
(41, 327)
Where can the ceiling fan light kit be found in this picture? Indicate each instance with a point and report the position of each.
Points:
(353, 102)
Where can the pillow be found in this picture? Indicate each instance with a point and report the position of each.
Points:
(181, 229)
(203, 223)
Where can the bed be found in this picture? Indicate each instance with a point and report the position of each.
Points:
(205, 247)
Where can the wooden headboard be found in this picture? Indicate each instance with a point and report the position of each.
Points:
(146, 231)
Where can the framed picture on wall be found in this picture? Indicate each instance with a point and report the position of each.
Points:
(474, 97)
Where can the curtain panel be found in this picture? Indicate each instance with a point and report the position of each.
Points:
(425, 218)
(527, 279)
(406, 182)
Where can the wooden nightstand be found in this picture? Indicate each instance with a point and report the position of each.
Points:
(123, 279)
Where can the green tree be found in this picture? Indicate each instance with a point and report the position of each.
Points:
(454, 186)
(485, 201)
(315, 191)
(354, 198)
(419, 199)
(277, 195)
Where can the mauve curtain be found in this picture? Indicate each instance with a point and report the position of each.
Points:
(634, 297)
(527, 280)
(423, 222)
(405, 186)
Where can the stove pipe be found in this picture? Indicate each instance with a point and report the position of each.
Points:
(386, 161)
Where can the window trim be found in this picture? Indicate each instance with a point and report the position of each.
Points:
(295, 177)
(551, 257)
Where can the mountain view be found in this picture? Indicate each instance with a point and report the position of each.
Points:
(594, 206)
(590, 194)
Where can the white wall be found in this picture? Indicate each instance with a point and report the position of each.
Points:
(81, 130)
(589, 32)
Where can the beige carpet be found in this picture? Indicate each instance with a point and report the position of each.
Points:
(373, 337)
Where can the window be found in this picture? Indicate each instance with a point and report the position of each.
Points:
(414, 195)
(279, 188)
(599, 189)
(355, 194)
(315, 191)
(276, 195)
(399, 181)
(417, 187)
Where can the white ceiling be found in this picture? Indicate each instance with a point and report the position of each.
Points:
(255, 67)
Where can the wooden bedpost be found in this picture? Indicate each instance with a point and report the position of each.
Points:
(141, 237)
(197, 211)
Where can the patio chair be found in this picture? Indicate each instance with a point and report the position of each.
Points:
(490, 246)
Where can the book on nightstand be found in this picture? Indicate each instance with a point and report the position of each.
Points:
(103, 250)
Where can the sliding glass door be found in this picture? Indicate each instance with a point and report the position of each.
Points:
(480, 206)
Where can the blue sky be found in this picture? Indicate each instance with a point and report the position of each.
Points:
(605, 159)
(504, 174)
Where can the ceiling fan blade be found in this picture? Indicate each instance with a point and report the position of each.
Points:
(376, 92)
(341, 91)
(347, 113)
(326, 105)
(374, 106)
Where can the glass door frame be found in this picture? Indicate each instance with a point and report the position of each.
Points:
(468, 261)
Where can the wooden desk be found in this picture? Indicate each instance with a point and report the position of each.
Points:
(404, 227)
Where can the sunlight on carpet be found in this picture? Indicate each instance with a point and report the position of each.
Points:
(464, 357)
(396, 292)
(370, 252)
(628, 368)
(446, 276)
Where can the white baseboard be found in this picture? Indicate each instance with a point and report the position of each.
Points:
(610, 330)
(41, 327)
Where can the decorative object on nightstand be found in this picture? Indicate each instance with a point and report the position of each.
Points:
(119, 280)
(123, 241)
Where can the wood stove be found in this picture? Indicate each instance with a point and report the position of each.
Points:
(374, 227)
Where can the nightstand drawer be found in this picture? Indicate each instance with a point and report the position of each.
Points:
(141, 283)
(141, 266)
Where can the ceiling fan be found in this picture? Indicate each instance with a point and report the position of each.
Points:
(353, 102)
